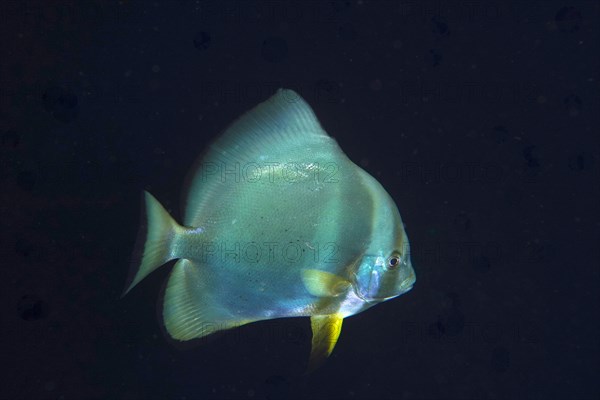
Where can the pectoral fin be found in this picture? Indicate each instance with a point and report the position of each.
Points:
(324, 284)
(326, 330)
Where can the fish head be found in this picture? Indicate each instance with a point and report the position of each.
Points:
(385, 270)
(383, 277)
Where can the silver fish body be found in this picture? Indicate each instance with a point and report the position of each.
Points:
(278, 223)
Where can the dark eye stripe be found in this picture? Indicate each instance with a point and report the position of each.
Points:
(400, 236)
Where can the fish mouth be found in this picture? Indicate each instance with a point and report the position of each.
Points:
(405, 286)
(364, 297)
(408, 283)
(376, 299)
(371, 299)
(405, 289)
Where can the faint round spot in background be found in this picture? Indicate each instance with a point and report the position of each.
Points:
(347, 32)
(274, 49)
(439, 27)
(32, 308)
(451, 323)
(435, 57)
(62, 103)
(26, 179)
(450, 320)
(573, 105)
(500, 134)
(23, 247)
(580, 162)
(327, 90)
(462, 222)
(51, 97)
(375, 85)
(436, 330)
(276, 387)
(513, 195)
(50, 386)
(530, 332)
(536, 252)
(16, 70)
(500, 359)
(10, 140)
(481, 263)
(529, 153)
(202, 40)
(568, 19)
(340, 6)
(450, 300)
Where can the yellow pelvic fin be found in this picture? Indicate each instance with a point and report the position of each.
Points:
(326, 330)
(324, 284)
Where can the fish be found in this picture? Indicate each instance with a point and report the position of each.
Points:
(278, 222)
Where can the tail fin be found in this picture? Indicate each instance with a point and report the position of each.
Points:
(154, 242)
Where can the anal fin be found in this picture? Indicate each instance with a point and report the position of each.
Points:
(326, 330)
(189, 311)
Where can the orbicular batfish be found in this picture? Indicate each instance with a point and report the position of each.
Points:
(278, 223)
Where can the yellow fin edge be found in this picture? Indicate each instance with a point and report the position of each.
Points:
(326, 330)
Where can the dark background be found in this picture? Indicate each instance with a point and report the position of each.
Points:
(480, 119)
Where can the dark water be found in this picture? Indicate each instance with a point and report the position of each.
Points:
(480, 119)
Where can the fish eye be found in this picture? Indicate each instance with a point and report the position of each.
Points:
(393, 261)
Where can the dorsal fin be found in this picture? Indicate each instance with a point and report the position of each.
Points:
(274, 130)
